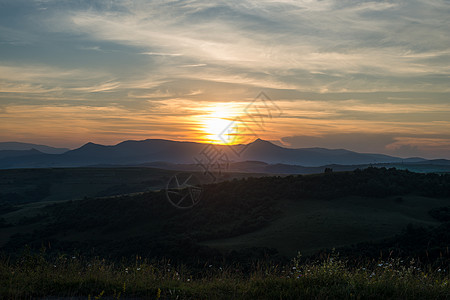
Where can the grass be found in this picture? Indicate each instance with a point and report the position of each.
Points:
(313, 224)
(76, 277)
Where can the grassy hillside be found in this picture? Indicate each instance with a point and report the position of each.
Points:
(313, 224)
(390, 227)
(237, 218)
(32, 185)
(20, 186)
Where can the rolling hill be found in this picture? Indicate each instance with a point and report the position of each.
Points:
(285, 214)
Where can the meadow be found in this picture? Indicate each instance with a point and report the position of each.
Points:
(73, 277)
(366, 234)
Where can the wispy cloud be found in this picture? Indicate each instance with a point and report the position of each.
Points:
(333, 65)
(346, 38)
(161, 54)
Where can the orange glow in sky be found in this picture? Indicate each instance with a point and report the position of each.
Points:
(136, 70)
(218, 126)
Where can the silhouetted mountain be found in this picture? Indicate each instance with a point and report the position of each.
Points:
(265, 151)
(27, 146)
(133, 152)
(174, 153)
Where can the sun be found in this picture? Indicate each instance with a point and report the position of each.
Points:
(220, 126)
(215, 129)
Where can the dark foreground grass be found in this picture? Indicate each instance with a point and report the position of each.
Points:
(35, 276)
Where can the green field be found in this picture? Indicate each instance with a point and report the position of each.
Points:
(313, 224)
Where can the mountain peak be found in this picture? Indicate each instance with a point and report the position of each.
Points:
(90, 145)
(259, 142)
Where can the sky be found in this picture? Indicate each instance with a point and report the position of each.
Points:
(368, 76)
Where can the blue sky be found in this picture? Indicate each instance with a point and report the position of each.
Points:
(370, 76)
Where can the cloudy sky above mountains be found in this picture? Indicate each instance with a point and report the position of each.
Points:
(370, 76)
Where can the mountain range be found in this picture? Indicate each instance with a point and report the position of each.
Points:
(169, 154)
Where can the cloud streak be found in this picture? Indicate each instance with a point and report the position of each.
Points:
(334, 66)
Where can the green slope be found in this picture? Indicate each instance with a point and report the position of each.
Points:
(314, 224)
(289, 214)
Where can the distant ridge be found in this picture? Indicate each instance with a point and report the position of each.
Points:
(17, 146)
(173, 153)
(18, 153)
